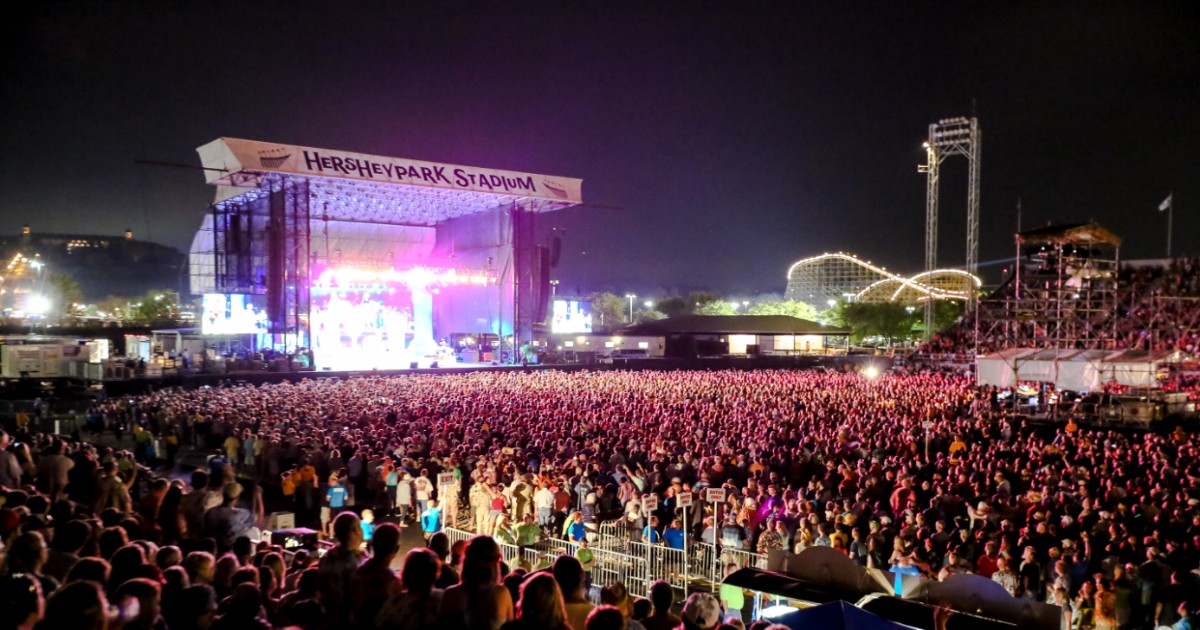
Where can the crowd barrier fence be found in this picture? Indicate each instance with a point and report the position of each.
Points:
(634, 564)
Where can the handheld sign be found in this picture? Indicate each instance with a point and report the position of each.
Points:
(714, 495)
(685, 499)
(927, 425)
(446, 479)
(650, 502)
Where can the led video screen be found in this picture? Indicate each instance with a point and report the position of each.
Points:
(571, 316)
(231, 314)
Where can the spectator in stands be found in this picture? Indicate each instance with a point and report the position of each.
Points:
(336, 568)
(419, 604)
(569, 574)
(373, 582)
(227, 522)
(662, 597)
(541, 605)
(479, 601)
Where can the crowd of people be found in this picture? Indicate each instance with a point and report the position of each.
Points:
(916, 473)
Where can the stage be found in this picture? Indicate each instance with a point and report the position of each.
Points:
(352, 261)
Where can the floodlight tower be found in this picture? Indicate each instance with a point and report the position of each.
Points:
(949, 137)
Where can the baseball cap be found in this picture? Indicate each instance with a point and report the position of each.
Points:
(702, 610)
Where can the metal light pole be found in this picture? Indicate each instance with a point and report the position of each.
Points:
(1169, 205)
(631, 297)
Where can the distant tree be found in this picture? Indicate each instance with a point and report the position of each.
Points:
(649, 315)
(946, 313)
(114, 308)
(673, 306)
(717, 307)
(697, 299)
(156, 307)
(66, 296)
(791, 308)
(889, 320)
(608, 309)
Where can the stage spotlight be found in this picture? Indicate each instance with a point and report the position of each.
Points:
(871, 371)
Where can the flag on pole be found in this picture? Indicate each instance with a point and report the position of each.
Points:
(1166, 203)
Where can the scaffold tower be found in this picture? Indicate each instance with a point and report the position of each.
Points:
(1062, 294)
(950, 137)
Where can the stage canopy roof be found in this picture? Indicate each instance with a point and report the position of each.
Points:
(1072, 233)
(346, 186)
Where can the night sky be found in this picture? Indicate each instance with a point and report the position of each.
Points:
(725, 140)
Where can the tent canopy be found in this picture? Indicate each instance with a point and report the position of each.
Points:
(1074, 370)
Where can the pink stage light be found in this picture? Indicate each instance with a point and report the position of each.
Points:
(412, 277)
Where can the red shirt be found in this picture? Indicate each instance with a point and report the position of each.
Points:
(986, 566)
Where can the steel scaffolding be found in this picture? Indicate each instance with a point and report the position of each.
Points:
(1062, 294)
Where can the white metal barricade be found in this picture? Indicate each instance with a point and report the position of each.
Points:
(704, 565)
(665, 563)
(614, 566)
(612, 535)
(456, 535)
(743, 558)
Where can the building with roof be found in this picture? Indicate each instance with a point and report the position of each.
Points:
(724, 335)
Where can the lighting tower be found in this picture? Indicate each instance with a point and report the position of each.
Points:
(949, 137)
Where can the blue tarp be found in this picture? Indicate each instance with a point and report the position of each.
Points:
(835, 616)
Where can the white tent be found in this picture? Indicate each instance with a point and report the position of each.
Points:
(1000, 368)
(1074, 370)
(1139, 368)
(1083, 371)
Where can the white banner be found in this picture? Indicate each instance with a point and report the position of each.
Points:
(228, 157)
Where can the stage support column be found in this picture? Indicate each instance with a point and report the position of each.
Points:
(422, 343)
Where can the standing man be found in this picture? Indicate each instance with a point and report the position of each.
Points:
(480, 502)
(543, 500)
(404, 497)
(431, 519)
(335, 503)
(424, 490)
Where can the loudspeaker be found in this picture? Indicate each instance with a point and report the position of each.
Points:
(276, 263)
(555, 251)
(541, 288)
